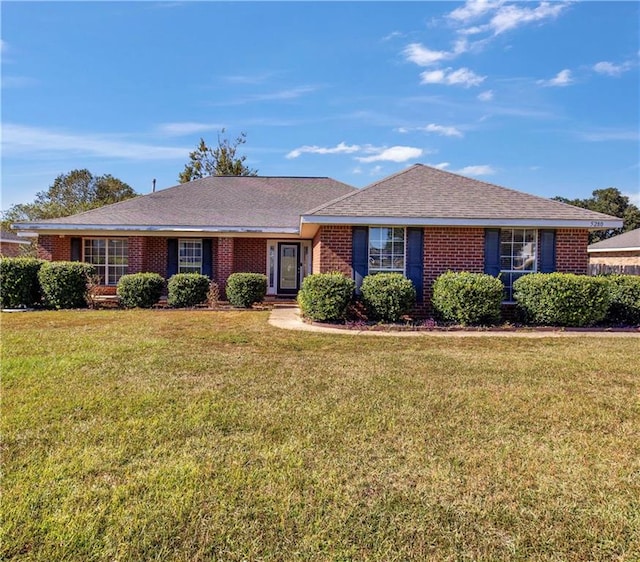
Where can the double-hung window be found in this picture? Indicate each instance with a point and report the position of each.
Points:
(109, 256)
(190, 255)
(386, 250)
(518, 256)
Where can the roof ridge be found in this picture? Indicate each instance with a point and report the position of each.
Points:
(361, 189)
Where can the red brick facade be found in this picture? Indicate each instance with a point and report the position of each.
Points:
(445, 248)
(332, 250)
(451, 249)
(571, 250)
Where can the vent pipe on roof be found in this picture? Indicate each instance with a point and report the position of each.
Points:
(154, 185)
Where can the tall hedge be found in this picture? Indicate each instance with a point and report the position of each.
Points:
(65, 284)
(324, 297)
(562, 299)
(624, 308)
(19, 285)
(187, 289)
(388, 296)
(140, 290)
(468, 298)
(245, 289)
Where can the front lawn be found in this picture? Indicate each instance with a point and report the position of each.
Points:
(199, 435)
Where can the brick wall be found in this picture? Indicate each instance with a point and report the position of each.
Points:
(250, 255)
(332, 250)
(12, 250)
(571, 250)
(615, 258)
(137, 249)
(54, 248)
(451, 249)
(155, 255)
(223, 264)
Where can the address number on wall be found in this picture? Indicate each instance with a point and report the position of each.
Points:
(597, 223)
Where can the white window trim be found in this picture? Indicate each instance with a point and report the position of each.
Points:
(182, 240)
(536, 253)
(107, 264)
(404, 255)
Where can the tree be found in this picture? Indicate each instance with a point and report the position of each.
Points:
(74, 192)
(609, 201)
(220, 161)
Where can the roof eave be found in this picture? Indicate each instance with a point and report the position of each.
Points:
(452, 221)
(609, 250)
(60, 228)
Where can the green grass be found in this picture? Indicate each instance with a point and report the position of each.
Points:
(171, 435)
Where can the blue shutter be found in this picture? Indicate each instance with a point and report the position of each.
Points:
(492, 251)
(547, 251)
(172, 256)
(207, 267)
(360, 254)
(414, 266)
(76, 249)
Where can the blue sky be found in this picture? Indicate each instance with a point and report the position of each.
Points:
(538, 96)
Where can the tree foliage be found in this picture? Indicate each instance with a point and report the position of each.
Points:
(223, 160)
(74, 192)
(609, 201)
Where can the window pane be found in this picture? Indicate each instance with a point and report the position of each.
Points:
(517, 256)
(386, 249)
(190, 256)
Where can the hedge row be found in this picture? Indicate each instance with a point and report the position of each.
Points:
(29, 282)
(557, 299)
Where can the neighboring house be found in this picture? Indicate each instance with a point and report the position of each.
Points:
(11, 246)
(420, 222)
(618, 254)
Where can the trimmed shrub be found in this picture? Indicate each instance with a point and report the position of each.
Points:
(19, 286)
(624, 307)
(562, 299)
(245, 289)
(187, 289)
(140, 290)
(324, 297)
(468, 298)
(388, 296)
(65, 284)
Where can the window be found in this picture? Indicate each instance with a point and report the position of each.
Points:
(386, 250)
(110, 257)
(190, 256)
(518, 256)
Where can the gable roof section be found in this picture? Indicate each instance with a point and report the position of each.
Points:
(8, 237)
(625, 242)
(422, 195)
(212, 204)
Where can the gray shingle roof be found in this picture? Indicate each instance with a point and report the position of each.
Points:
(622, 242)
(218, 201)
(424, 192)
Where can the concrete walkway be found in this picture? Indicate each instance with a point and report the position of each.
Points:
(288, 318)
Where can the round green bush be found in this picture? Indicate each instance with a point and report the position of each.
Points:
(562, 299)
(140, 290)
(388, 296)
(324, 297)
(187, 289)
(65, 284)
(624, 307)
(468, 298)
(19, 285)
(245, 289)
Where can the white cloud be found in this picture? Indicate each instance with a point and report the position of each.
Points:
(341, 148)
(392, 35)
(18, 82)
(474, 9)
(393, 154)
(280, 95)
(634, 198)
(442, 130)
(611, 69)
(486, 96)
(563, 78)
(441, 165)
(514, 15)
(605, 135)
(186, 128)
(460, 77)
(480, 170)
(30, 141)
(423, 56)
